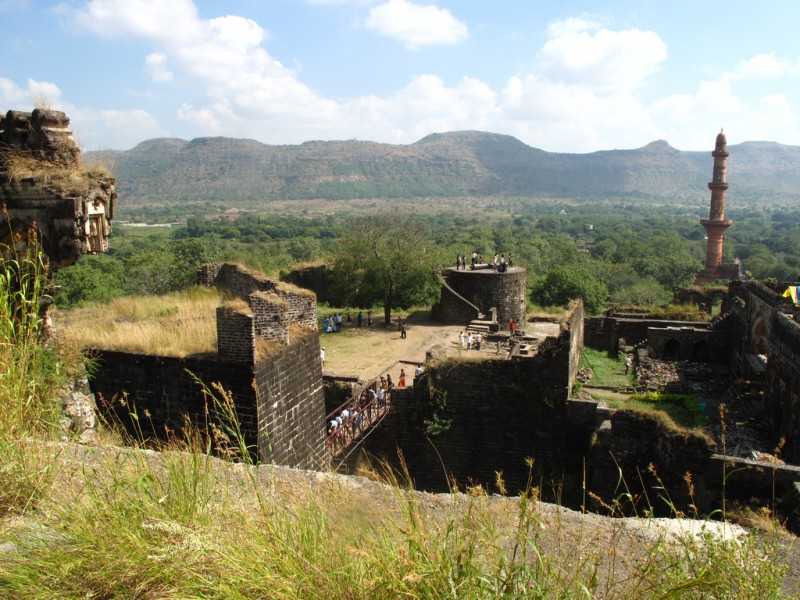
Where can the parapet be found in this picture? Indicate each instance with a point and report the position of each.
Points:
(46, 191)
(270, 309)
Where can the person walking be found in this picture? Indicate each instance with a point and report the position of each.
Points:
(403, 332)
(402, 382)
(462, 340)
(477, 341)
(469, 341)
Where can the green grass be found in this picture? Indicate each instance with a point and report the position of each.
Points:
(607, 371)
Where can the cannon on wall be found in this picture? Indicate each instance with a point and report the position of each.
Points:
(47, 193)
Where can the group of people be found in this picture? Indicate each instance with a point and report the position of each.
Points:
(499, 263)
(335, 322)
(351, 420)
(469, 340)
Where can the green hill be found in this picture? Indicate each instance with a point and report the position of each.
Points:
(442, 164)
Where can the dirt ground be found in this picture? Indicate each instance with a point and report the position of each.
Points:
(368, 352)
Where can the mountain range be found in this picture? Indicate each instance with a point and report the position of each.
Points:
(463, 163)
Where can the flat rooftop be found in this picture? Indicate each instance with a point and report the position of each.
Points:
(485, 271)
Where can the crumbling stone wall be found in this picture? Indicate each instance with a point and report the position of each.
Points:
(47, 191)
(238, 281)
(605, 333)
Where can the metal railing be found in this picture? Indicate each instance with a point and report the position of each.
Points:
(352, 419)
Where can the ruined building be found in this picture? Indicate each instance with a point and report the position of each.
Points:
(717, 222)
(268, 359)
(45, 191)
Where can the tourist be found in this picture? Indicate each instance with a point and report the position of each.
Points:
(418, 371)
(628, 363)
(380, 396)
(497, 349)
(349, 317)
(462, 340)
(325, 325)
(389, 384)
(373, 395)
(477, 341)
(495, 262)
(360, 319)
(512, 326)
(509, 261)
(369, 318)
(402, 383)
(403, 332)
(503, 263)
(474, 259)
(469, 341)
(322, 356)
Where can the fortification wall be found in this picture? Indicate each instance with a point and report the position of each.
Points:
(474, 418)
(765, 326)
(291, 405)
(486, 289)
(163, 392)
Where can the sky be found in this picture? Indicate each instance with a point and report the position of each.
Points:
(567, 76)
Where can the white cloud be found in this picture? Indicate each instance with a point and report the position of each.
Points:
(156, 66)
(416, 25)
(764, 66)
(582, 51)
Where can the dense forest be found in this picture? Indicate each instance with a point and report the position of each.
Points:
(606, 252)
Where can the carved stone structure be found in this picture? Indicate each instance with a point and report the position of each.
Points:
(468, 294)
(717, 223)
(45, 191)
(268, 359)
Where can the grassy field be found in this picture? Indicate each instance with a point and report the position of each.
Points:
(607, 371)
(177, 324)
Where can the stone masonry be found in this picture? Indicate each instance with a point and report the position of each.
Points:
(268, 359)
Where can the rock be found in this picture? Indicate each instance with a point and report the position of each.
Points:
(80, 411)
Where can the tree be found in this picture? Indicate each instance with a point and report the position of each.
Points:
(562, 284)
(388, 260)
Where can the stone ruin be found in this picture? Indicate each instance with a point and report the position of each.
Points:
(46, 192)
(267, 360)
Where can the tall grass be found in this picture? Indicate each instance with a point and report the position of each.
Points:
(177, 324)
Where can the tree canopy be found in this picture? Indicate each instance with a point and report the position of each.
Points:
(385, 260)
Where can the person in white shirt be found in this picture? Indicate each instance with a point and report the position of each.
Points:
(322, 356)
(477, 341)
(469, 341)
(462, 339)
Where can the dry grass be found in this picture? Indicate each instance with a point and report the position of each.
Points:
(177, 324)
(20, 166)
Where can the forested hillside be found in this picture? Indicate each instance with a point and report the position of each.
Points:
(468, 163)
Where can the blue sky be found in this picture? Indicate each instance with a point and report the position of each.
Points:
(568, 76)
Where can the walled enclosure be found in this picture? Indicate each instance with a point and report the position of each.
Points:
(268, 358)
(468, 292)
(480, 417)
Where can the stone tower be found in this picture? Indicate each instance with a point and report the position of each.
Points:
(716, 224)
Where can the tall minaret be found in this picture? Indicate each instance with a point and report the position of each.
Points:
(716, 224)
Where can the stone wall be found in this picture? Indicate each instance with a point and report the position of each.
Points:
(163, 391)
(473, 418)
(236, 336)
(241, 282)
(605, 333)
(291, 405)
(485, 289)
(689, 343)
(765, 326)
